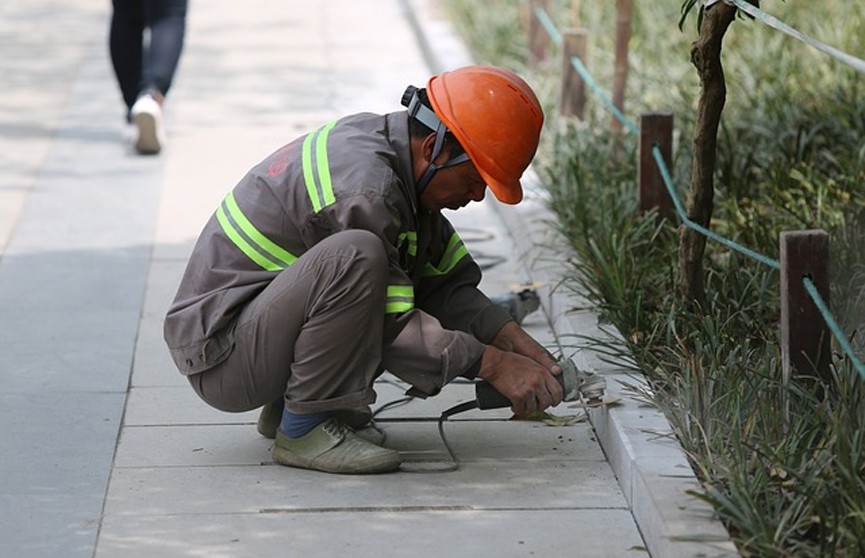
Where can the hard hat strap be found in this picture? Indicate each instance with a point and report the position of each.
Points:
(441, 130)
(419, 111)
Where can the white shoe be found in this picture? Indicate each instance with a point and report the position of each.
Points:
(147, 117)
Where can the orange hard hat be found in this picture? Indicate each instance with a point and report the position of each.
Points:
(497, 119)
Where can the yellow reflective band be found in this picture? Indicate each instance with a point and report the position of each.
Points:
(405, 291)
(308, 177)
(411, 236)
(267, 245)
(399, 298)
(397, 307)
(454, 252)
(321, 167)
(324, 165)
(242, 244)
(249, 240)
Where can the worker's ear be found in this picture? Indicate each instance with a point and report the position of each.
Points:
(427, 147)
(427, 150)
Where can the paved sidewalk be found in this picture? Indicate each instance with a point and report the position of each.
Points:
(107, 452)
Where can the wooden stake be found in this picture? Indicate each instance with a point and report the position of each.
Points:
(804, 334)
(572, 100)
(539, 39)
(624, 9)
(655, 129)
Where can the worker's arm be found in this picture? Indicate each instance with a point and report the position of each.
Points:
(521, 369)
(449, 288)
(513, 338)
(528, 384)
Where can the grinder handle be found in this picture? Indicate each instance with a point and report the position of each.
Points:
(489, 397)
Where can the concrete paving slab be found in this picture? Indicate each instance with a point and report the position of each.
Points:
(178, 406)
(249, 489)
(12, 198)
(240, 444)
(153, 364)
(49, 522)
(38, 74)
(371, 532)
(82, 205)
(73, 280)
(496, 441)
(192, 446)
(158, 369)
(54, 470)
(44, 449)
(88, 185)
(62, 351)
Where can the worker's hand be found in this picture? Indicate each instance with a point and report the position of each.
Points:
(513, 338)
(529, 385)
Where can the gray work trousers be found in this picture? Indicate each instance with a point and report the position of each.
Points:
(314, 334)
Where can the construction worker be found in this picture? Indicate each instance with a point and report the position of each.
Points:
(330, 262)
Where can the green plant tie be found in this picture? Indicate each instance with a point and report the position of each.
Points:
(587, 77)
(833, 325)
(772, 21)
(665, 174)
(548, 24)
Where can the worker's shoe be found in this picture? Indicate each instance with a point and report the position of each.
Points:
(333, 447)
(269, 419)
(271, 416)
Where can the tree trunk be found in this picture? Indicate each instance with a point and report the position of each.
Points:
(706, 57)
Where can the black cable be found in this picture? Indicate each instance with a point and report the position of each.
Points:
(472, 235)
(456, 409)
(389, 405)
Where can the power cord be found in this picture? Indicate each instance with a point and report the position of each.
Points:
(446, 467)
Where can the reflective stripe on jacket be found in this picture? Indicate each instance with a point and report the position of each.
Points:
(354, 173)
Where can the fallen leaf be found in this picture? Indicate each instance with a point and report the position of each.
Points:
(569, 420)
(550, 419)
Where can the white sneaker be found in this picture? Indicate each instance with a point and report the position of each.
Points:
(147, 117)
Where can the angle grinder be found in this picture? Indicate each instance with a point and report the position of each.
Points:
(577, 385)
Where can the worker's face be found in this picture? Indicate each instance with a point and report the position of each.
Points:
(453, 187)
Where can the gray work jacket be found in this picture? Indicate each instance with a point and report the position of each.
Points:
(354, 173)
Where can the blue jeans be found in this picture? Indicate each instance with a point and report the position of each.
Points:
(141, 67)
